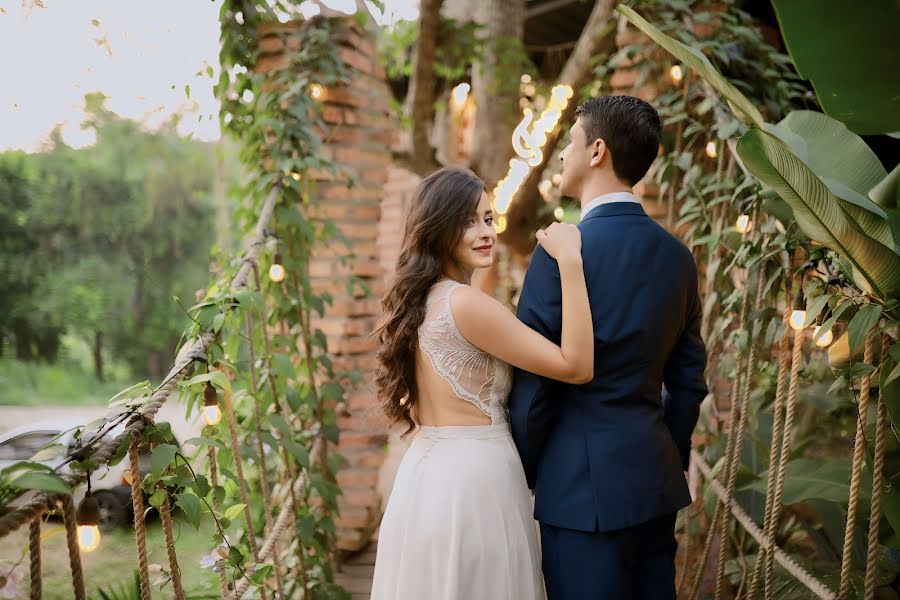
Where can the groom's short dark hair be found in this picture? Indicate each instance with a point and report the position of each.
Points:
(631, 129)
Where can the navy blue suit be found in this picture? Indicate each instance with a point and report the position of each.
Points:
(606, 459)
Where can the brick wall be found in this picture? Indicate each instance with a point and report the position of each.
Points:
(357, 133)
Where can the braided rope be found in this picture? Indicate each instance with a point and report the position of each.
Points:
(746, 521)
(263, 469)
(34, 547)
(239, 471)
(784, 365)
(790, 410)
(140, 527)
(165, 515)
(738, 436)
(72, 545)
(217, 506)
(707, 549)
(285, 517)
(877, 481)
(859, 446)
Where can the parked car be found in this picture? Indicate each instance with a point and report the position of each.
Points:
(108, 484)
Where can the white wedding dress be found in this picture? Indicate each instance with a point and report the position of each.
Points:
(459, 524)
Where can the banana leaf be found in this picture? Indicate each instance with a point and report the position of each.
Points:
(820, 214)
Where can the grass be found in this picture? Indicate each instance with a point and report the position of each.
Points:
(113, 562)
(38, 384)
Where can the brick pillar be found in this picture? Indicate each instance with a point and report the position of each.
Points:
(357, 134)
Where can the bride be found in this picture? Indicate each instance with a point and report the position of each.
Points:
(459, 522)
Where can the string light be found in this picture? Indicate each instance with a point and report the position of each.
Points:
(500, 226)
(88, 519)
(711, 150)
(316, 91)
(212, 414)
(556, 179)
(461, 93)
(797, 320)
(528, 141)
(525, 79)
(276, 271)
(825, 340)
(743, 224)
(544, 188)
(676, 74)
(559, 213)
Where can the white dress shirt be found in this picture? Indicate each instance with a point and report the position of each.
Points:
(607, 199)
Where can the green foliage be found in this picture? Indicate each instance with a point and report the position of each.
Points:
(854, 67)
(458, 46)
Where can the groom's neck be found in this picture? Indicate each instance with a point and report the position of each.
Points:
(601, 187)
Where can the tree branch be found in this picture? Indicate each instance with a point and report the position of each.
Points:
(420, 97)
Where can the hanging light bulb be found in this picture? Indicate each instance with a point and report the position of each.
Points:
(316, 91)
(559, 213)
(88, 519)
(212, 414)
(556, 179)
(501, 224)
(743, 224)
(526, 78)
(676, 74)
(460, 93)
(711, 150)
(825, 340)
(798, 316)
(276, 271)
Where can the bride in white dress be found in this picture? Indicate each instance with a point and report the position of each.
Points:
(459, 524)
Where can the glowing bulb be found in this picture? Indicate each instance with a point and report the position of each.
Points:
(825, 340)
(501, 225)
(743, 224)
(526, 78)
(676, 74)
(544, 188)
(316, 91)
(212, 414)
(126, 476)
(460, 93)
(530, 89)
(798, 318)
(559, 213)
(711, 150)
(88, 537)
(276, 272)
(556, 179)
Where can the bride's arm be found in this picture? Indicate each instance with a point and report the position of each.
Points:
(490, 326)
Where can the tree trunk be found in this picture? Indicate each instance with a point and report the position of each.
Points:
(420, 97)
(598, 36)
(495, 85)
(98, 355)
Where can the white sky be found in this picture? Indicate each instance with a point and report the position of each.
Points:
(140, 53)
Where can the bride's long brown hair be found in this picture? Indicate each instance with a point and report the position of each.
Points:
(441, 206)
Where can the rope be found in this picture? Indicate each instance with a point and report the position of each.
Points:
(284, 519)
(785, 560)
(72, 544)
(777, 426)
(140, 528)
(738, 436)
(793, 388)
(217, 506)
(877, 480)
(34, 543)
(263, 469)
(859, 446)
(707, 548)
(166, 518)
(45, 502)
(239, 471)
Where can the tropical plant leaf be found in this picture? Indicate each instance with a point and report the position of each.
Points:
(844, 163)
(806, 478)
(851, 53)
(819, 212)
(743, 108)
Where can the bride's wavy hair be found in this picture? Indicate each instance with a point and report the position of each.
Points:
(442, 205)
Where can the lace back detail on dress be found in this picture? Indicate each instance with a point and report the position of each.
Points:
(474, 375)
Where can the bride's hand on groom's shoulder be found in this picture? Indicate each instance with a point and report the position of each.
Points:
(562, 241)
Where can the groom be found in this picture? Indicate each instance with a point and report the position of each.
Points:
(606, 459)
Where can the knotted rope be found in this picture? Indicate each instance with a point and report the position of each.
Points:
(165, 515)
(34, 547)
(140, 527)
(72, 545)
(877, 480)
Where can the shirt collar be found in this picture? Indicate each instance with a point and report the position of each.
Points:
(607, 199)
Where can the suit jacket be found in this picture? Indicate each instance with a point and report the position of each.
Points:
(611, 453)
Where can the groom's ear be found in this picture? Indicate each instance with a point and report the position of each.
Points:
(598, 151)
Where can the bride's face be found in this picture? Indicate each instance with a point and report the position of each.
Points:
(476, 248)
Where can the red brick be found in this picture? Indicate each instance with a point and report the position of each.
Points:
(359, 345)
(359, 477)
(361, 400)
(361, 440)
(271, 44)
(354, 59)
(623, 79)
(332, 114)
(366, 497)
(265, 64)
(342, 95)
(371, 459)
(354, 517)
